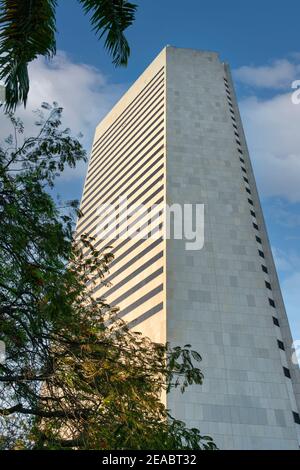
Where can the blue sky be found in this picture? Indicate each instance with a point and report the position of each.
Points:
(259, 39)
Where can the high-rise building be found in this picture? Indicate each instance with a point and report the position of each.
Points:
(176, 137)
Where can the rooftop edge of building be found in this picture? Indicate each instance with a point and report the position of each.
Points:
(154, 67)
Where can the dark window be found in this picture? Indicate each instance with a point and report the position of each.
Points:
(280, 344)
(234, 126)
(248, 190)
(264, 268)
(258, 239)
(233, 118)
(255, 226)
(272, 303)
(250, 202)
(275, 321)
(238, 142)
(244, 169)
(261, 253)
(237, 134)
(253, 213)
(286, 372)
(242, 160)
(296, 417)
(268, 285)
(246, 179)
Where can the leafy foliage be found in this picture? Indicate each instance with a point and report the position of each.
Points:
(27, 30)
(111, 18)
(74, 376)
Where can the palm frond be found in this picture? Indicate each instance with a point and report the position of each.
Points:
(27, 29)
(112, 17)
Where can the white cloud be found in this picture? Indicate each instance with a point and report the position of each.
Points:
(82, 90)
(288, 264)
(279, 74)
(291, 295)
(272, 130)
(281, 260)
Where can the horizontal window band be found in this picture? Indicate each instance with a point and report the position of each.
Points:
(110, 242)
(144, 316)
(136, 257)
(156, 82)
(137, 159)
(132, 224)
(139, 285)
(140, 301)
(97, 197)
(149, 177)
(117, 189)
(130, 181)
(142, 155)
(132, 248)
(126, 150)
(126, 157)
(138, 219)
(140, 243)
(100, 157)
(129, 264)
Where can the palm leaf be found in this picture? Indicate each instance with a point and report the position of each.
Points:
(112, 17)
(27, 29)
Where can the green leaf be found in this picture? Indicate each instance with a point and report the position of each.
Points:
(27, 29)
(111, 18)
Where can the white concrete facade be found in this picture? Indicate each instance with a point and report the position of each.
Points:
(224, 299)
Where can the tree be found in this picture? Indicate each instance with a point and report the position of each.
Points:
(28, 27)
(75, 376)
